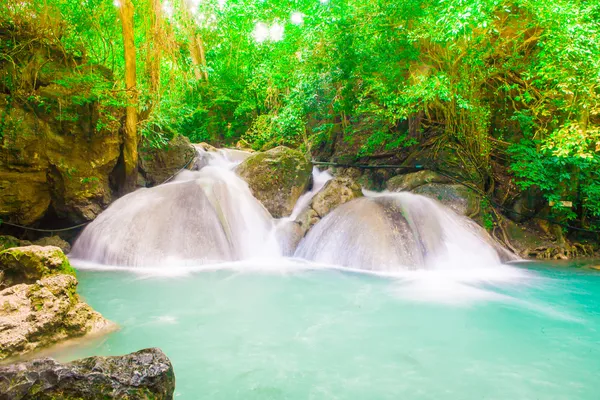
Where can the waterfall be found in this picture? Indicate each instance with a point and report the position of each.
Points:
(208, 215)
(199, 217)
(391, 231)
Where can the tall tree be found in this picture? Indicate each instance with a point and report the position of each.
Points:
(130, 145)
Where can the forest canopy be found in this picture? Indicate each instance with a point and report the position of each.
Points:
(510, 82)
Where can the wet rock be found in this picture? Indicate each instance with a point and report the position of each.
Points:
(158, 165)
(277, 178)
(30, 263)
(411, 181)
(145, 374)
(457, 197)
(54, 241)
(336, 192)
(41, 314)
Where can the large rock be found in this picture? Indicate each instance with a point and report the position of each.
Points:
(146, 374)
(60, 140)
(459, 198)
(30, 263)
(41, 314)
(54, 241)
(336, 192)
(277, 178)
(158, 165)
(411, 181)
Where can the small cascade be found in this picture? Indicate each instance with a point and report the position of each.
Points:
(394, 231)
(199, 217)
(208, 215)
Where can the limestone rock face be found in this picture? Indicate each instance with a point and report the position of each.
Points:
(158, 165)
(60, 143)
(277, 178)
(6, 242)
(336, 192)
(41, 314)
(145, 374)
(30, 263)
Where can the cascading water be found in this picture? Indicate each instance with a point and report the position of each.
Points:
(383, 232)
(210, 216)
(200, 217)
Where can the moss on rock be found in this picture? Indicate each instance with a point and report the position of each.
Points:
(30, 263)
(277, 178)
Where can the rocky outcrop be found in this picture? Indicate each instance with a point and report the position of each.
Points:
(41, 314)
(30, 263)
(459, 198)
(146, 374)
(54, 241)
(277, 178)
(59, 142)
(158, 165)
(409, 182)
(336, 192)
(6, 242)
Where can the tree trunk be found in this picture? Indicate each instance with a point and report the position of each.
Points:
(130, 139)
(153, 57)
(196, 45)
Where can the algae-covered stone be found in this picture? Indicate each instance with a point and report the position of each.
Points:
(41, 314)
(457, 197)
(30, 263)
(336, 192)
(145, 374)
(411, 181)
(158, 165)
(277, 178)
(6, 242)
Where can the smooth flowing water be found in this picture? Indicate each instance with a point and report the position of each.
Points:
(390, 296)
(291, 332)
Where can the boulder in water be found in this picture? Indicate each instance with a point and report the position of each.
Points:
(30, 263)
(336, 192)
(458, 198)
(158, 165)
(145, 374)
(411, 181)
(41, 314)
(277, 178)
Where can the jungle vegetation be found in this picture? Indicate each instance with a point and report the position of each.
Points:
(509, 81)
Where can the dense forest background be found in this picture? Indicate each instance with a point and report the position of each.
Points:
(511, 88)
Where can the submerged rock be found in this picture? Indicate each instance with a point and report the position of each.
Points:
(41, 314)
(158, 165)
(30, 263)
(336, 192)
(145, 374)
(277, 178)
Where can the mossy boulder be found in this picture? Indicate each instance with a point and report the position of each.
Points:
(457, 197)
(56, 241)
(38, 315)
(277, 178)
(158, 165)
(30, 263)
(336, 192)
(6, 242)
(411, 181)
(145, 374)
